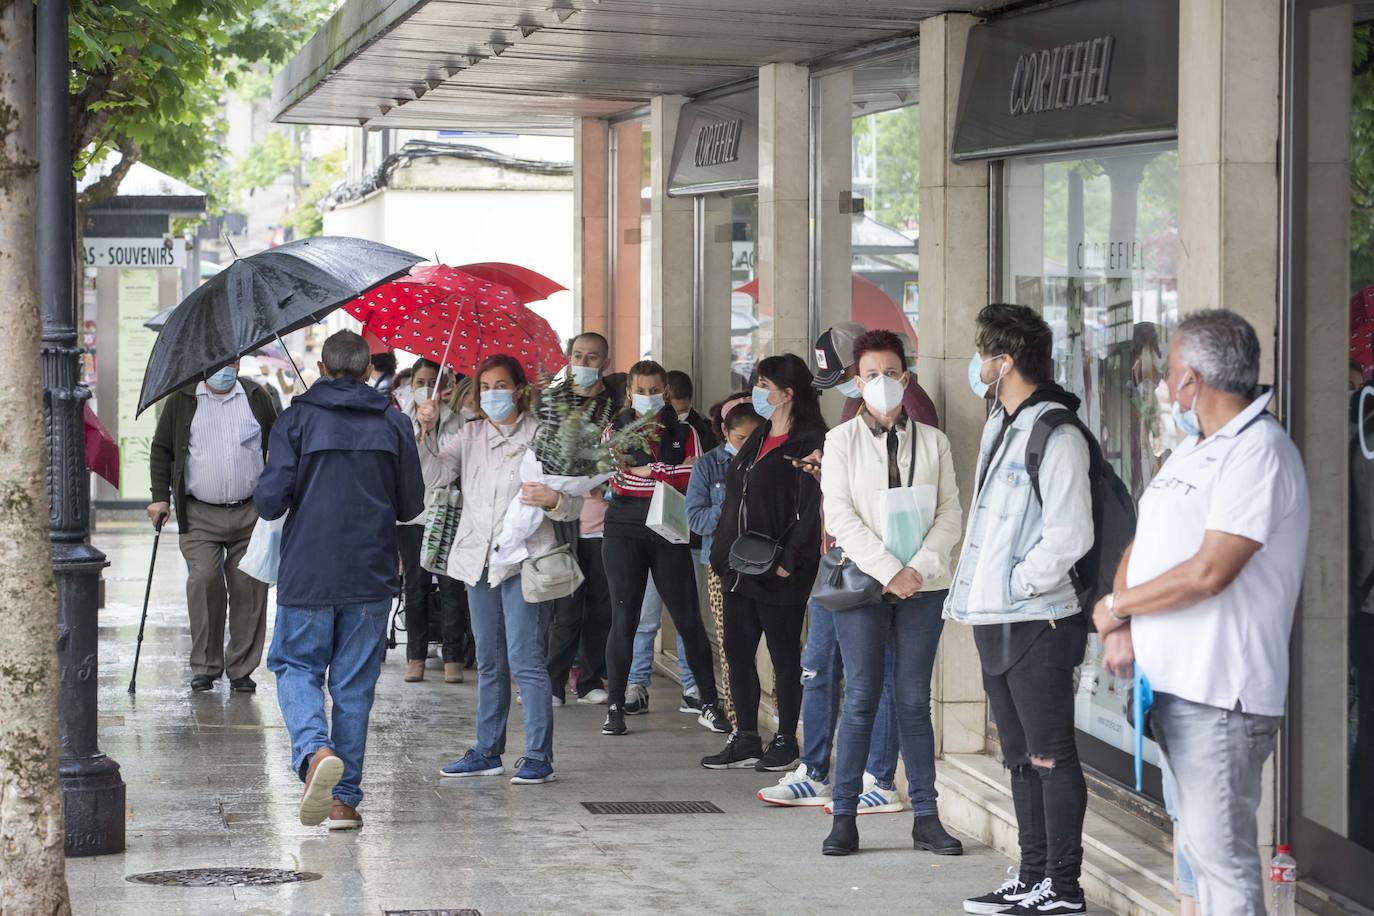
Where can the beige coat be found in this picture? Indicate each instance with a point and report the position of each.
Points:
(488, 466)
(853, 476)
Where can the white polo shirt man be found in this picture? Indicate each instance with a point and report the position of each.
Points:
(1219, 668)
(1229, 651)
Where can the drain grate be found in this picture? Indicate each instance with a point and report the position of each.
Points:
(652, 807)
(222, 877)
(431, 913)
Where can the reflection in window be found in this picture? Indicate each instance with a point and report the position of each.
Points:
(1091, 242)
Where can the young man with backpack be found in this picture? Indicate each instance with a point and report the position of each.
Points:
(1016, 584)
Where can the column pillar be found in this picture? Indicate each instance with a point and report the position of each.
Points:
(592, 227)
(1229, 67)
(627, 142)
(954, 286)
(670, 258)
(784, 243)
(834, 220)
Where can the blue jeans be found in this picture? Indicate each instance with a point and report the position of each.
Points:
(1183, 872)
(912, 628)
(1217, 757)
(511, 635)
(822, 678)
(347, 641)
(650, 619)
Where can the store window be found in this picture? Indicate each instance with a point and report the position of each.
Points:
(1090, 240)
(728, 227)
(867, 184)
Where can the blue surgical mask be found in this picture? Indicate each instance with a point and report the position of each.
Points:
(1185, 420)
(498, 404)
(849, 388)
(975, 375)
(761, 405)
(647, 403)
(585, 376)
(222, 380)
(731, 450)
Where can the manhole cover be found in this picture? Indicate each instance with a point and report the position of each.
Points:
(652, 807)
(223, 877)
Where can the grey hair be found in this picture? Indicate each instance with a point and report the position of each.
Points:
(1222, 347)
(346, 353)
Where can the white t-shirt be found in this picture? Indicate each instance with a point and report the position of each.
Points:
(1246, 479)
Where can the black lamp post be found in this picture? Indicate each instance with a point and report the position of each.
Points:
(92, 790)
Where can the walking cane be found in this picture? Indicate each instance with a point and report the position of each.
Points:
(147, 593)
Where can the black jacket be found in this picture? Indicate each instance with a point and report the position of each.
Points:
(704, 431)
(172, 442)
(345, 465)
(782, 502)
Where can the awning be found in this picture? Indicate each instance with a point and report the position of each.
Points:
(533, 67)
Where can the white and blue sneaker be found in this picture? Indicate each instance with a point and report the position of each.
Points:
(473, 764)
(875, 799)
(530, 772)
(797, 789)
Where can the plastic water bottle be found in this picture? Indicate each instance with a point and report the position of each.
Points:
(1283, 875)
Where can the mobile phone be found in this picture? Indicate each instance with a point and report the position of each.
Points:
(800, 460)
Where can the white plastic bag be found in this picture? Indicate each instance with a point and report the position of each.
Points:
(668, 514)
(263, 557)
(521, 521)
(908, 513)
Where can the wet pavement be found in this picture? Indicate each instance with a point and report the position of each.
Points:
(209, 784)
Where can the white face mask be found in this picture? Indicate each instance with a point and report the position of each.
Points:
(883, 394)
(420, 395)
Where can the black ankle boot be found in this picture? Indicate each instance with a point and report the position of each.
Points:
(844, 837)
(929, 833)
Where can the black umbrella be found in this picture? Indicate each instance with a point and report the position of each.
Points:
(257, 299)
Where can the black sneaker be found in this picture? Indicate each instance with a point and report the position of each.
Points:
(636, 700)
(202, 682)
(690, 705)
(714, 718)
(741, 753)
(781, 756)
(243, 684)
(1047, 900)
(1012, 892)
(615, 721)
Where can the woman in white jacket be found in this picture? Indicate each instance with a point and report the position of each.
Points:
(883, 444)
(410, 538)
(510, 633)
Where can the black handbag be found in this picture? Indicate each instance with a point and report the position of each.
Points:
(840, 584)
(752, 553)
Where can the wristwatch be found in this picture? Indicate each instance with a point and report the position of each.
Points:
(1109, 603)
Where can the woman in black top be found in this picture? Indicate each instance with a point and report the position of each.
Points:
(767, 495)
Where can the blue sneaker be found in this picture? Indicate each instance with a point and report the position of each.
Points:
(474, 764)
(530, 772)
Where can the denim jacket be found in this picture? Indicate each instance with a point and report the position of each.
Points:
(1017, 553)
(706, 496)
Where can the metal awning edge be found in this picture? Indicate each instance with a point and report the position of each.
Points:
(354, 26)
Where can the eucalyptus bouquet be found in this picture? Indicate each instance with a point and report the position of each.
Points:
(571, 442)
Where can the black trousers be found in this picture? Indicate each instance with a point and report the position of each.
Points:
(746, 622)
(418, 591)
(582, 620)
(1032, 704)
(628, 562)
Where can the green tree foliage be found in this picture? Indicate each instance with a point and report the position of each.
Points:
(148, 75)
(1362, 160)
(321, 174)
(893, 139)
(270, 158)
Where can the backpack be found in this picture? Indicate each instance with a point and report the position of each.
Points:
(1094, 575)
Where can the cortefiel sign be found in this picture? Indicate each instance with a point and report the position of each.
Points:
(1084, 74)
(158, 252)
(717, 146)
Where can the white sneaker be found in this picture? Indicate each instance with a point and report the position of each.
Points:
(636, 699)
(796, 790)
(874, 800)
(595, 697)
(557, 701)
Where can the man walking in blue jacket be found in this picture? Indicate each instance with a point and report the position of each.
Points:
(345, 466)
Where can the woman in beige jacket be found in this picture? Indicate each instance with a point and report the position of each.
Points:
(510, 633)
(871, 465)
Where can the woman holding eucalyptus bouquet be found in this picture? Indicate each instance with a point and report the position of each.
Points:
(667, 459)
(511, 634)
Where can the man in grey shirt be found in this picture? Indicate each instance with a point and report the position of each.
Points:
(206, 457)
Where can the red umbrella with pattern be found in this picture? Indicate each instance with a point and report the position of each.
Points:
(465, 326)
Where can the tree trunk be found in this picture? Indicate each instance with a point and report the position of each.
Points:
(32, 878)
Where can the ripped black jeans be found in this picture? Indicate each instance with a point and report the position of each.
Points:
(1030, 693)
